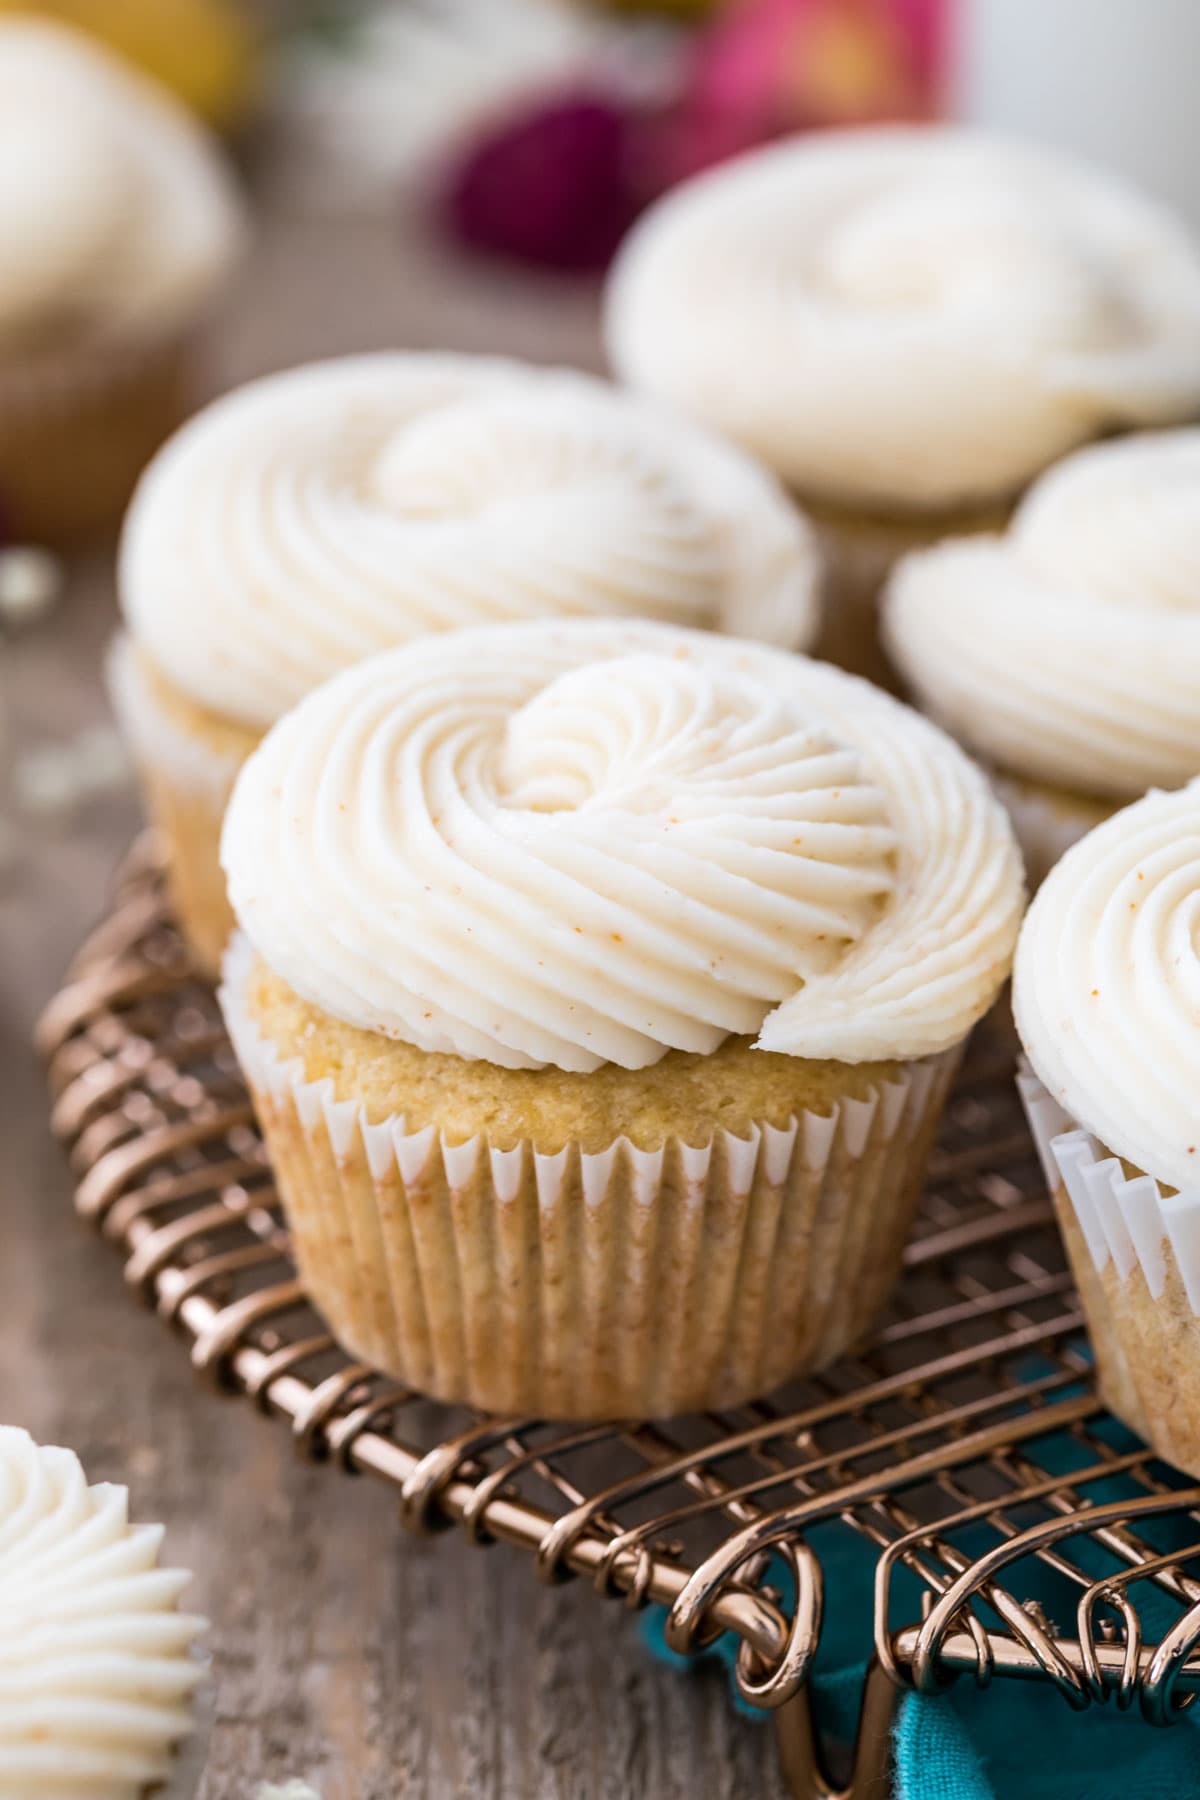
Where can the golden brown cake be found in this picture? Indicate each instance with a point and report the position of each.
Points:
(600, 990)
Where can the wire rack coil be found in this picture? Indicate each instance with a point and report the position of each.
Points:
(964, 1442)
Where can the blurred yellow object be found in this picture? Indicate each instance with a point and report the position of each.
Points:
(204, 50)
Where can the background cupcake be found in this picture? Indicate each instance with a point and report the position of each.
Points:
(118, 224)
(1106, 995)
(316, 516)
(908, 324)
(1067, 651)
(601, 987)
(96, 1670)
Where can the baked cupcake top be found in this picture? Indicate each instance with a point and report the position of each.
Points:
(1068, 649)
(1107, 984)
(316, 516)
(96, 1674)
(910, 318)
(593, 842)
(117, 211)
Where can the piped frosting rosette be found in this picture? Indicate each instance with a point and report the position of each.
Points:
(117, 214)
(910, 317)
(573, 847)
(597, 842)
(1068, 649)
(317, 516)
(96, 1674)
(1107, 997)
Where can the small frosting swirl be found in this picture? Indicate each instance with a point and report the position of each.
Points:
(1107, 984)
(95, 1667)
(1068, 650)
(594, 842)
(917, 317)
(319, 515)
(116, 211)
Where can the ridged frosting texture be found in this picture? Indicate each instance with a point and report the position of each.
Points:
(1068, 649)
(595, 842)
(117, 212)
(1107, 985)
(339, 509)
(96, 1673)
(910, 317)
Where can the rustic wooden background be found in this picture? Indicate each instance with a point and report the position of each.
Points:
(342, 1651)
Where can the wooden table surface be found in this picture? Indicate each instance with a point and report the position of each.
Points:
(342, 1650)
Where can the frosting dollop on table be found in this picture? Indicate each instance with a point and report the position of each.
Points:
(96, 1674)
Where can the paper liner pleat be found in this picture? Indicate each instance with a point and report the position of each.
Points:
(625, 1282)
(157, 741)
(186, 784)
(1135, 1254)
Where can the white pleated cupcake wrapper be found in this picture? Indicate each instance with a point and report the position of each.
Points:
(812, 1156)
(155, 738)
(1126, 1220)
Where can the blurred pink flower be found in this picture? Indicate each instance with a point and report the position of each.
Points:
(766, 67)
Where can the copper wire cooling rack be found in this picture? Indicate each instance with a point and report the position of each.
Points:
(964, 1442)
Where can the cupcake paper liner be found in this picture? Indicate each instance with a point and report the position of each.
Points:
(1135, 1254)
(1045, 828)
(78, 425)
(187, 783)
(579, 1285)
(157, 740)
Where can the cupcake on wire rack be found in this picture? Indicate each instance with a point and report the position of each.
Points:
(600, 988)
(316, 516)
(908, 324)
(96, 1663)
(1107, 1000)
(1067, 650)
(119, 224)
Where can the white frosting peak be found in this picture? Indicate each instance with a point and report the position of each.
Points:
(910, 317)
(1107, 984)
(335, 510)
(116, 211)
(95, 1667)
(1068, 650)
(596, 842)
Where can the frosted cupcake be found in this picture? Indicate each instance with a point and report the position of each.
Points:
(600, 990)
(908, 324)
(1067, 651)
(311, 518)
(1107, 999)
(96, 1671)
(119, 222)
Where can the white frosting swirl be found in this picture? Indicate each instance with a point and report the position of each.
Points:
(910, 317)
(95, 1667)
(116, 210)
(339, 509)
(1068, 650)
(595, 842)
(1107, 985)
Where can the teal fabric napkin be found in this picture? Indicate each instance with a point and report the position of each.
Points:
(1017, 1740)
